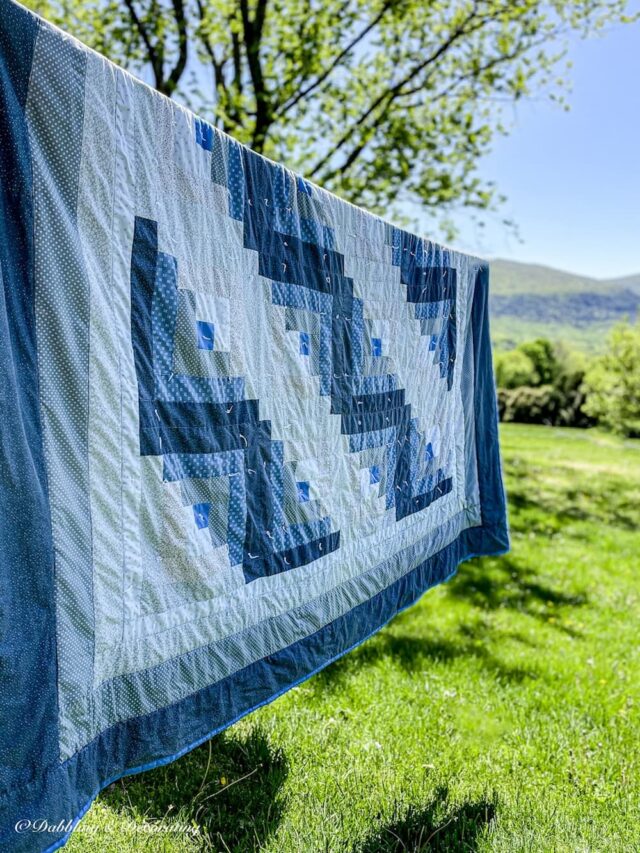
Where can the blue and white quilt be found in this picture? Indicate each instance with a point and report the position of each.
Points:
(243, 424)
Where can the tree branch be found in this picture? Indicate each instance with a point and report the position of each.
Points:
(154, 59)
(219, 81)
(390, 94)
(447, 91)
(237, 62)
(287, 105)
(183, 48)
(252, 39)
(497, 60)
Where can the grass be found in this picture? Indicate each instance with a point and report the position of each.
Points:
(501, 713)
(507, 332)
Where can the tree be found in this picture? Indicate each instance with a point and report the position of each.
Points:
(613, 382)
(539, 382)
(530, 363)
(379, 100)
(514, 369)
(543, 356)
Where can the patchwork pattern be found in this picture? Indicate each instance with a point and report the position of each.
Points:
(251, 423)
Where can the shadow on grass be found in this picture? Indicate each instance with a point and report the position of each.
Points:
(489, 584)
(510, 584)
(415, 654)
(427, 829)
(227, 789)
(542, 504)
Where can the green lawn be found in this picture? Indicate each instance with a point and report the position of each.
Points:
(500, 713)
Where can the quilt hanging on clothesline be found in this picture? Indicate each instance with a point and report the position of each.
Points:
(243, 424)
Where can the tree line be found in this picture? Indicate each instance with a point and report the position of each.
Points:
(542, 382)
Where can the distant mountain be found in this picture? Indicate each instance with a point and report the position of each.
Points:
(529, 301)
(630, 282)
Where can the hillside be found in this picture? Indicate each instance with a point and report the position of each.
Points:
(630, 282)
(528, 301)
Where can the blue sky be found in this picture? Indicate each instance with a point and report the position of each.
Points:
(573, 179)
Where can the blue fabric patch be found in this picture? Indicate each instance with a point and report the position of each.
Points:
(201, 514)
(428, 452)
(376, 346)
(303, 491)
(303, 186)
(204, 134)
(206, 335)
(374, 474)
(304, 343)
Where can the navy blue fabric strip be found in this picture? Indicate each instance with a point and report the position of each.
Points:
(195, 427)
(361, 403)
(493, 500)
(156, 438)
(257, 459)
(144, 255)
(430, 285)
(409, 505)
(378, 420)
(200, 415)
(28, 704)
(283, 561)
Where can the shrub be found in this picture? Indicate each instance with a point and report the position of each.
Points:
(530, 405)
(544, 358)
(612, 383)
(541, 383)
(514, 369)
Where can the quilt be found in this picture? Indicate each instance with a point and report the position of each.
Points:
(243, 424)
